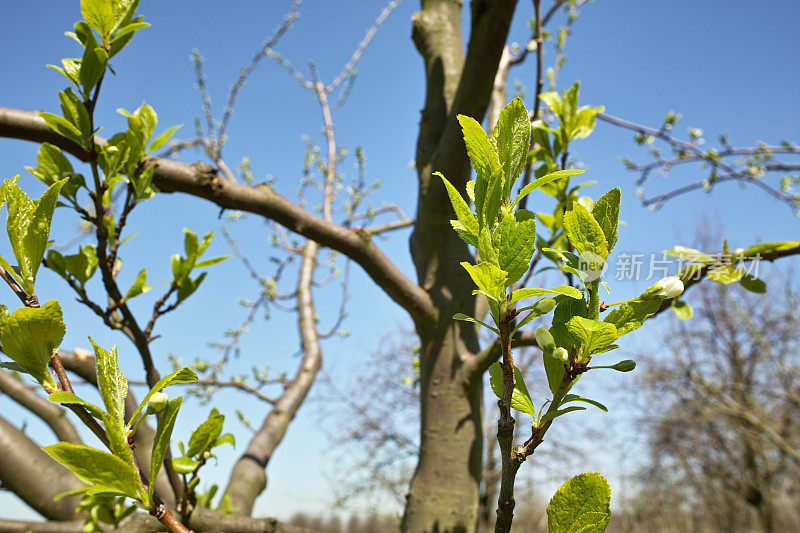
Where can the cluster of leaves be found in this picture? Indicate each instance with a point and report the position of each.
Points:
(583, 233)
(203, 440)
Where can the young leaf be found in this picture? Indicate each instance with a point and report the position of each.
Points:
(592, 334)
(467, 318)
(555, 414)
(206, 434)
(460, 207)
(606, 213)
(511, 137)
(493, 199)
(583, 231)
(631, 315)
(65, 397)
(753, 284)
(182, 375)
(544, 180)
(97, 467)
(99, 14)
(139, 285)
(483, 156)
(30, 336)
(565, 290)
(93, 65)
(520, 397)
(576, 398)
(554, 369)
(682, 309)
(161, 441)
(110, 380)
(63, 127)
(489, 278)
(29, 228)
(517, 242)
(163, 137)
(587, 493)
(184, 465)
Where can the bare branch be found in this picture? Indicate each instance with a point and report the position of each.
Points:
(172, 176)
(51, 414)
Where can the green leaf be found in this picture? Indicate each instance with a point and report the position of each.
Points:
(554, 369)
(65, 397)
(585, 493)
(162, 138)
(93, 65)
(769, 248)
(188, 286)
(29, 228)
(592, 334)
(629, 316)
(682, 309)
(566, 290)
(184, 465)
(139, 285)
(583, 231)
(81, 266)
(493, 199)
(511, 137)
(161, 440)
(726, 274)
(591, 522)
(606, 213)
(753, 284)
(52, 164)
(30, 336)
(460, 207)
(227, 438)
(689, 254)
(484, 159)
(75, 112)
(517, 242)
(623, 366)
(575, 398)
(97, 467)
(182, 375)
(467, 318)
(555, 414)
(211, 262)
(111, 381)
(520, 397)
(544, 180)
(124, 36)
(489, 278)
(123, 12)
(564, 311)
(99, 14)
(204, 437)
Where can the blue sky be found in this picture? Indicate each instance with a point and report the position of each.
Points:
(725, 69)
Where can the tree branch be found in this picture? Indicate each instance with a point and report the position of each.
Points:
(27, 471)
(50, 413)
(173, 176)
(247, 479)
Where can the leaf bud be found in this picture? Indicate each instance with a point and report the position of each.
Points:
(545, 340)
(157, 403)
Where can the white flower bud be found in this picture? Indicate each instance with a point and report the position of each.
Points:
(157, 403)
(562, 355)
(666, 288)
